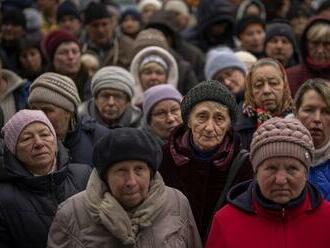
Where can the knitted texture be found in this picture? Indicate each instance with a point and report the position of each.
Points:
(177, 6)
(280, 137)
(221, 60)
(159, 93)
(113, 77)
(123, 144)
(16, 124)
(210, 90)
(56, 89)
(280, 29)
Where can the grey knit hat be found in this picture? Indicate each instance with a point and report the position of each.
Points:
(113, 77)
(210, 90)
(281, 137)
(220, 60)
(56, 89)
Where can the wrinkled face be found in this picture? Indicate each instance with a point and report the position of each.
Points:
(111, 104)
(129, 182)
(253, 38)
(281, 179)
(70, 24)
(130, 25)
(147, 12)
(100, 31)
(36, 148)
(315, 115)
(209, 122)
(319, 49)
(31, 60)
(152, 74)
(280, 48)
(67, 58)
(59, 117)
(11, 32)
(233, 79)
(268, 88)
(164, 117)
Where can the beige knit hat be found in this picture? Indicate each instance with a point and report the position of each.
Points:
(281, 137)
(55, 89)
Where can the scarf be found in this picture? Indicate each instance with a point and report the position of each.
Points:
(124, 225)
(321, 155)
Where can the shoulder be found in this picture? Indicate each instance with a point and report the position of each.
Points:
(80, 173)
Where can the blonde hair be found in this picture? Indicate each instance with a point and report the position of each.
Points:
(319, 32)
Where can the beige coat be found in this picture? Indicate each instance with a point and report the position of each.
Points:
(94, 219)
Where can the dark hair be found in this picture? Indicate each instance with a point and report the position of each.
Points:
(320, 85)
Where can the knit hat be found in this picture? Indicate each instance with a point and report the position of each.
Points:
(56, 89)
(149, 37)
(54, 39)
(158, 93)
(16, 124)
(114, 147)
(210, 90)
(33, 19)
(281, 137)
(15, 17)
(130, 12)
(113, 77)
(280, 29)
(247, 58)
(177, 6)
(218, 61)
(156, 3)
(67, 8)
(243, 23)
(95, 11)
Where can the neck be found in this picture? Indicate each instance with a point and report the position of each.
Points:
(44, 170)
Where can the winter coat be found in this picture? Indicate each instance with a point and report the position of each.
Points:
(245, 126)
(297, 75)
(249, 222)
(117, 52)
(28, 203)
(130, 118)
(17, 88)
(201, 180)
(319, 172)
(94, 218)
(81, 140)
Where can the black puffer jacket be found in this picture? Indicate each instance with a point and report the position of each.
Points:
(28, 203)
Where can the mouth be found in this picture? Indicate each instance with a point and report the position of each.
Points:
(316, 131)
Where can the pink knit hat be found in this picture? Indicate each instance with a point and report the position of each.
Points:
(280, 137)
(18, 122)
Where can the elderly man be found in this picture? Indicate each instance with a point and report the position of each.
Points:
(112, 90)
(126, 203)
(35, 179)
(276, 207)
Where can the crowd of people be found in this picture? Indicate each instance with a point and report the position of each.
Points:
(164, 123)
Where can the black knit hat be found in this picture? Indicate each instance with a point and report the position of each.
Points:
(67, 8)
(95, 11)
(243, 23)
(123, 144)
(280, 28)
(210, 90)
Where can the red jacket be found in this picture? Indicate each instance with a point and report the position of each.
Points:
(245, 223)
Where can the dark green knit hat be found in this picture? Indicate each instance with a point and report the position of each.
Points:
(210, 90)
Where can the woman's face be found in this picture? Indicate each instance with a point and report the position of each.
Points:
(31, 60)
(209, 122)
(67, 58)
(314, 113)
(152, 74)
(281, 179)
(253, 38)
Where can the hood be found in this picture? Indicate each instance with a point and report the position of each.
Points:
(13, 169)
(240, 13)
(14, 82)
(241, 196)
(303, 42)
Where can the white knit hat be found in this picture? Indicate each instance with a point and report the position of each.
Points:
(143, 3)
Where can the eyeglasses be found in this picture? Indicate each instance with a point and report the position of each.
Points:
(162, 114)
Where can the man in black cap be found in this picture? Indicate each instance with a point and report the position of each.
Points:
(12, 29)
(111, 48)
(280, 44)
(68, 18)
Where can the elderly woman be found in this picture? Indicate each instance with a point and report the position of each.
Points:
(279, 208)
(57, 96)
(313, 110)
(267, 95)
(161, 111)
(201, 151)
(153, 66)
(35, 179)
(126, 203)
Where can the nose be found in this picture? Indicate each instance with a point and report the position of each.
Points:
(317, 116)
(267, 88)
(38, 142)
(131, 179)
(227, 83)
(281, 178)
(209, 125)
(111, 100)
